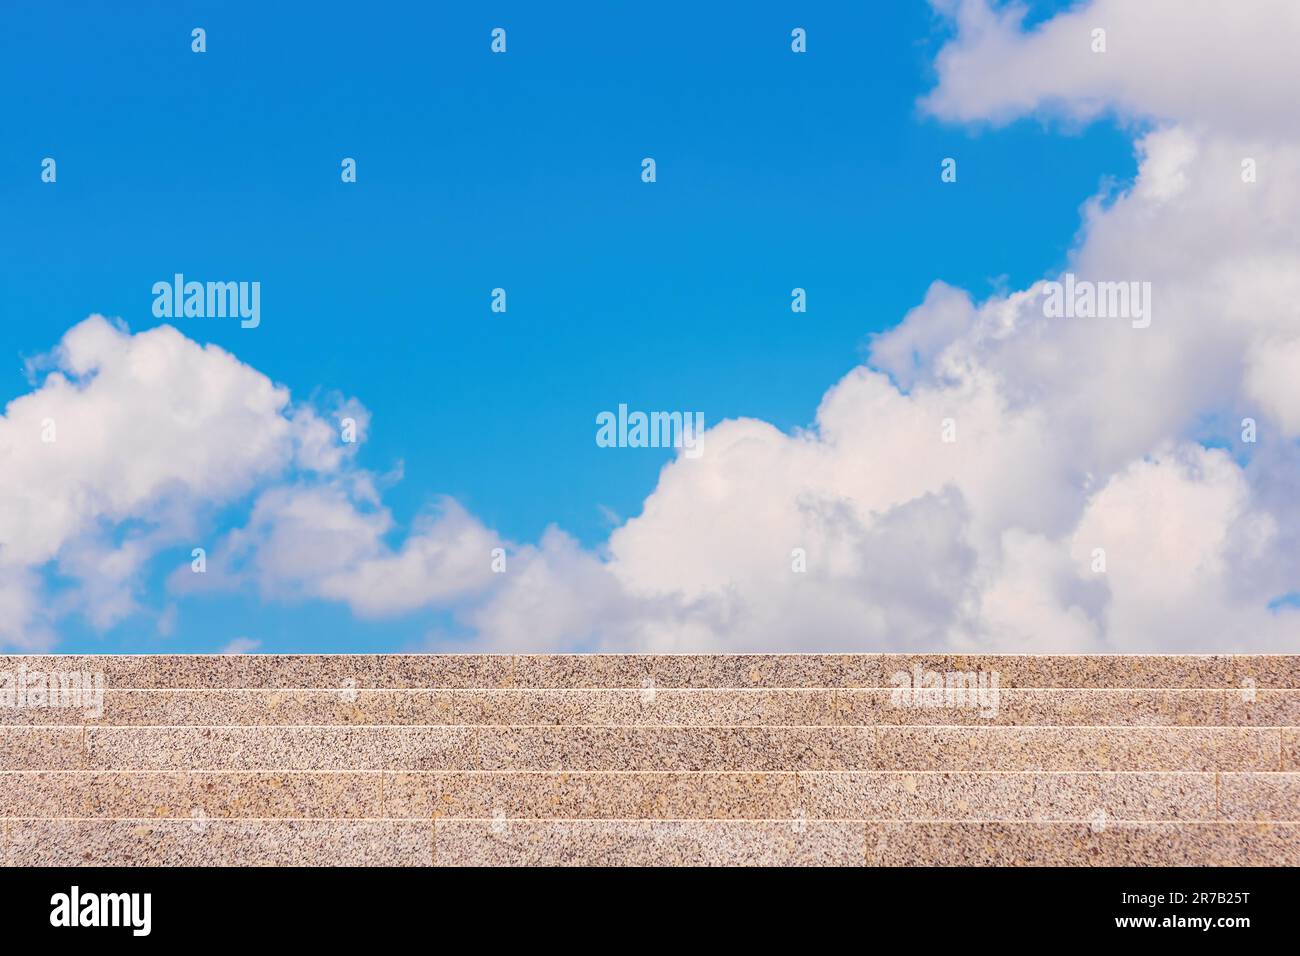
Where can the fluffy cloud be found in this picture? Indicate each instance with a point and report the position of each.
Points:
(1077, 439)
(101, 438)
(124, 446)
(1273, 380)
(1187, 554)
(328, 541)
(1230, 67)
(25, 619)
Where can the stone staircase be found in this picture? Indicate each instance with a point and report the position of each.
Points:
(621, 759)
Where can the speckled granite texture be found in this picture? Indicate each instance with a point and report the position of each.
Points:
(653, 760)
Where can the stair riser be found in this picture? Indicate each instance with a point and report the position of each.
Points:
(1232, 672)
(1084, 797)
(649, 748)
(601, 843)
(816, 707)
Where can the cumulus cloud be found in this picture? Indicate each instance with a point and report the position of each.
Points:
(118, 453)
(327, 541)
(1273, 380)
(1079, 508)
(101, 437)
(1230, 67)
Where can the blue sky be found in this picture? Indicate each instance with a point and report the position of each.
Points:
(521, 171)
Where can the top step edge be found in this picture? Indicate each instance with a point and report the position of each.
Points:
(560, 671)
(575, 656)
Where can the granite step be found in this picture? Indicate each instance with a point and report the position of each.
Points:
(149, 842)
(649, 748)
(424, 671)
(838, 707)
(661, 795)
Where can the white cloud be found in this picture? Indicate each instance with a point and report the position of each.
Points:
(1229, 66)
(1183, 548)
(328, 541)
(241, 645)
(25, 618)
(118, 453)
(1072, 434)
(119, 408)
(1273, 380)
(909, 349)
